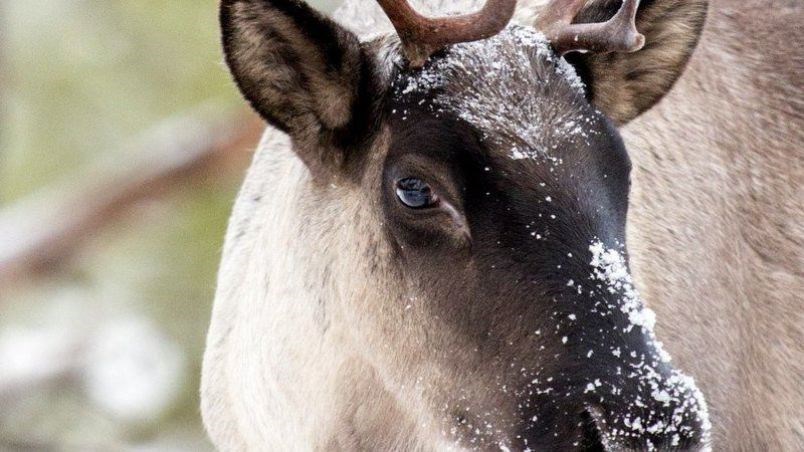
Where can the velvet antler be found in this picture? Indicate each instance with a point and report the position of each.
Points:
(422, 36)
(618, 34)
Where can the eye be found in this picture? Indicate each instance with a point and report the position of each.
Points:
(415, 193)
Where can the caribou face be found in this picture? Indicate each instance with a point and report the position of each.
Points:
(468, 222)
(504, 198)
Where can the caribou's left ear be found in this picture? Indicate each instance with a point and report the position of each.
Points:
(624, 85)
(302, 72)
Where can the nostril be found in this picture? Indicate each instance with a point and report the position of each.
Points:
(590, 431)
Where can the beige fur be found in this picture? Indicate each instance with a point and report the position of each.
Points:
(715, 230)
(715, 236)
(267, 360)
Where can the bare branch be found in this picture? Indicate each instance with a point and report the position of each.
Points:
(40, 233)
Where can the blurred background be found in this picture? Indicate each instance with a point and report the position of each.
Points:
(122, 145)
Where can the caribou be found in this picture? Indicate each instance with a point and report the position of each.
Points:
(429, 251)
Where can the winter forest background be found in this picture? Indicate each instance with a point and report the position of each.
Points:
(122, 145)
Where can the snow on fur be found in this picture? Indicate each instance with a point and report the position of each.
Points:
(515, 78)
(679, 390)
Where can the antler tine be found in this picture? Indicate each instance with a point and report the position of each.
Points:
(422, 36)
(618, 34)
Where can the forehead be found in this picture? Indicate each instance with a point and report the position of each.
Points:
(538, 136)
(525, 103)
(523, 100)
(513, 89)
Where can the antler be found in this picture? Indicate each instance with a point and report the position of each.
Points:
(422, 36)
(618, 34)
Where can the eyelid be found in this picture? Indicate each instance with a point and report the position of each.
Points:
(458, 219)
(452, 211)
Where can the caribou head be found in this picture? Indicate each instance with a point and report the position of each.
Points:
(454, 248)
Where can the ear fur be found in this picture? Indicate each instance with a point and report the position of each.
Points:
(300, 71)
(624, 85)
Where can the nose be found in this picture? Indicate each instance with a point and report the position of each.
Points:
(591, 437)
(638, 411)
(654, 414)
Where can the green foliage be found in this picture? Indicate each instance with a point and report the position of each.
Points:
(86, 76)
(79, 80)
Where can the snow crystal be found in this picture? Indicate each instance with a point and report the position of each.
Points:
(609, 267)
(592, 386)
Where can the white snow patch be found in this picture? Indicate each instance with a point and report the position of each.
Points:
(609, 267)
(514, 76)
(676, 390)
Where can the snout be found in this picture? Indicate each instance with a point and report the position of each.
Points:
(640, 406)
(638, 400)
(616, 390)
(658, 415)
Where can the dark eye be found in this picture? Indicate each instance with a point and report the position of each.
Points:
(415, 193)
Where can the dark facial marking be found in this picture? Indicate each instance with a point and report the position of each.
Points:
(535, 199)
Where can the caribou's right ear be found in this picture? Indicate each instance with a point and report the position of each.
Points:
(301, 71)
(624, 85)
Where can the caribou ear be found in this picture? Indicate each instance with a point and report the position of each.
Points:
(301, 72)
(624, 85)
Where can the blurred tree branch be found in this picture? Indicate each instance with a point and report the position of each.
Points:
(41, 233)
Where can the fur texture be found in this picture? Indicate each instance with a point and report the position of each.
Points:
(714, 233)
